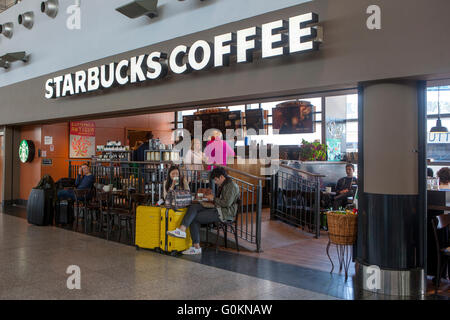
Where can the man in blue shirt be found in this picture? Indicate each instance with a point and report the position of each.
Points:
(85, 180)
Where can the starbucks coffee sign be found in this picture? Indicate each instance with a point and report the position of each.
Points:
(26, 151)
(271, 40)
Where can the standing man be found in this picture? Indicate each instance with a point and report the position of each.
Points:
(344, 187)
(218, 151)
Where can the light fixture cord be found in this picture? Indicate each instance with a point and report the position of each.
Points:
(439, 102)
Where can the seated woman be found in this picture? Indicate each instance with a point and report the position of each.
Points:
(444, 178)
(173, 181)
(225, 209)
(85, 180)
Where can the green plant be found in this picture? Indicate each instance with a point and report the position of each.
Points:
(312, 151)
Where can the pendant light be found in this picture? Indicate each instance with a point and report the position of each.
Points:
(439, 128)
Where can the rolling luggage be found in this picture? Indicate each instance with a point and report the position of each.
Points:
(40, 207)
(64, 212)
(148, 226)
(170, 220)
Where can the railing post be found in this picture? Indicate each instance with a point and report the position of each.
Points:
(111, 173)
(317, 207)
(70, 169)
(258, 216)
(140, 176)
(274, 196)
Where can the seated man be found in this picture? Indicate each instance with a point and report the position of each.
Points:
(344, 187)
(225, 209)
(85, 180)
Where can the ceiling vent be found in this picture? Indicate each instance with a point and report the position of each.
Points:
(140, 8)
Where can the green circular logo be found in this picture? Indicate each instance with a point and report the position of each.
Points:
(26, 151)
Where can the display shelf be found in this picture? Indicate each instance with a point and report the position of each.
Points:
(162, 155)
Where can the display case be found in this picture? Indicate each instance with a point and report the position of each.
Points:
(162, 155)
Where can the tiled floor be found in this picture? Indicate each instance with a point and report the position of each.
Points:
(34, 262)
(34, 259)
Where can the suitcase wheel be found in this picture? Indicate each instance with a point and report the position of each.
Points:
(174, 253)
(137, 248)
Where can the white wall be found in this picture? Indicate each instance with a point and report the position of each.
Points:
(105, 32)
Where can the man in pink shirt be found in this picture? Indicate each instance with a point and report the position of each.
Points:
(217, 150)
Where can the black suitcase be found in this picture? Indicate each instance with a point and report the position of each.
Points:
(40, 207)
(64, 212)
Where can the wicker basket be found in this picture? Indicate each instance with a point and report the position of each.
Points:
(342, 228)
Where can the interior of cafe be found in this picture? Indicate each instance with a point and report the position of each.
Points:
(282, 216)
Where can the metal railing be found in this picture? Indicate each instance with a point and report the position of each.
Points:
(148, 178)
(296, 198)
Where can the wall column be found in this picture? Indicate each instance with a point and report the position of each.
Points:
(392, 215)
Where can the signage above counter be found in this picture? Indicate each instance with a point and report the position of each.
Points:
(273, 39)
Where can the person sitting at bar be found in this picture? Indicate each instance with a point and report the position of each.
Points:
(444, 178)
(225, 209)
(344, 187)
(430, 173)
(85, 180)
(173, 181)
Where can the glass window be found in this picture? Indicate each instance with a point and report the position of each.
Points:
(237, 108)
(441, 95)
(253, 106)
(352, 106)
(188, 112)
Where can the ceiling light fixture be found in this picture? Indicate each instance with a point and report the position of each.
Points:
(7, 29)
(439, 128)
(140, 8)
(26, 19)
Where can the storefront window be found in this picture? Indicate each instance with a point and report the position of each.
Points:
(438, 146)
(341, 125)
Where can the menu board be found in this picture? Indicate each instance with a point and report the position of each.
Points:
(221, 121)
(294, 117)
(254, 119)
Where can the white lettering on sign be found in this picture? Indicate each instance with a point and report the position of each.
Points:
(374, 20)
(272, 40)
(439, 137)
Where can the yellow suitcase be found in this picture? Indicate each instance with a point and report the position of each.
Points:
(148, 225)
(170, 220)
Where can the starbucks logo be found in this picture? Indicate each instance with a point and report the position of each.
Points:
(26, 151)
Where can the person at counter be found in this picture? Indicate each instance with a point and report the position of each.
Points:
(195, 157)
(173, 181)
(344, 187)
(225, 208)
(139, 155)
(85, 180)
(218, 151)
(444, 178)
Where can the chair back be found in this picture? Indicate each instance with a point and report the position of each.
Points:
(81, 195)
(439, 223)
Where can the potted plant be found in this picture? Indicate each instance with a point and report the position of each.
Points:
(312, 151)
